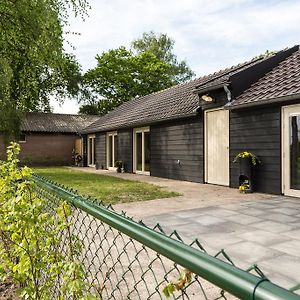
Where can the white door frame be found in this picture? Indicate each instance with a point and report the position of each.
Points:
(286, 113)
(135, 131)
(113, 134)
(92, 137)
(206, 146)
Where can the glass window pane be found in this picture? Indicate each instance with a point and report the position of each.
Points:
(139, 151)
(295, 152)
(147, 151)
(110, 157)
(90, 151)
(93, 151)
(115, 148)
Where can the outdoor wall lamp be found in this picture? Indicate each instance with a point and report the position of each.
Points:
(207, 98)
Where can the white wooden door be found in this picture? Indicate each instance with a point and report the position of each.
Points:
(291, 150)
(217, 146)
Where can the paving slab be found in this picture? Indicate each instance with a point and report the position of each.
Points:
(294, 234)
(291, 247)
(243, 219)
(286, 211)
(252, 228)
(252, 211)
(263, 237)
(281, 217)
(275, 265)
(251, 252)
(272, 226)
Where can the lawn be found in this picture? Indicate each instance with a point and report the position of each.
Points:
(110, 190)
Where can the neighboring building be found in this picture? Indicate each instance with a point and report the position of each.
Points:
(49, 139)
(192, 131)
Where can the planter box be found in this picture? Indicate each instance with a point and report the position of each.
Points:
(246, 173)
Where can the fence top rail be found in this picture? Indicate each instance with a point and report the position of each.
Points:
(237, 282)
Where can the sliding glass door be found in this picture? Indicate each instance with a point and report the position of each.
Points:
(141, 153)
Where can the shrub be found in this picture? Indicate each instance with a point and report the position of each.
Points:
(30, 238)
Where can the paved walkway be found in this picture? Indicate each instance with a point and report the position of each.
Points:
(252, 228)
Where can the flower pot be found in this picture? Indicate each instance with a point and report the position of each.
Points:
(246, 167)
(245, 176)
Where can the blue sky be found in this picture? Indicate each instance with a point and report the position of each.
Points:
(209, 35)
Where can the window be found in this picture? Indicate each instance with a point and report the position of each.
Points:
(112, 150)
(91, 150)
(141, 150)
(22, 138)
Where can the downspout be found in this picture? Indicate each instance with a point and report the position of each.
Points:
(226, 89)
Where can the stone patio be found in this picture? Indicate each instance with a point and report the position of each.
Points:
(252, 228)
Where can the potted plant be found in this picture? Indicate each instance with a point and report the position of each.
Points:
(119, 165)
(248, 156)
(246, 161)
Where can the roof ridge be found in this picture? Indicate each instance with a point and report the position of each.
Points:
(60, 114)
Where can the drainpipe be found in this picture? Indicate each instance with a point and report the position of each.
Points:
(226, 89)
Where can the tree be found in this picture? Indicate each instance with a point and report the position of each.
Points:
(89, 109)
(122, 74)
(33, 63)
(162, 47)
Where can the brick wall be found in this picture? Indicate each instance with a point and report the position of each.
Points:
(42, 149)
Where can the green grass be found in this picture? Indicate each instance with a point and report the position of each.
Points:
(110, 190)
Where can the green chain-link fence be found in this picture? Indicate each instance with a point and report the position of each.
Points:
(124, 259)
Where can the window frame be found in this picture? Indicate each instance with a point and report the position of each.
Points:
(113, 134)
(135, 131)
(93, 138)
(22, 141)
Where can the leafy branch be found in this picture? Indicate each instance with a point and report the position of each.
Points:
(31, 238)
(184, 279)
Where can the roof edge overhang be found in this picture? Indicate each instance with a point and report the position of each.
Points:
(210, 88)
(138, 124)
(229, 106)
(45, 131)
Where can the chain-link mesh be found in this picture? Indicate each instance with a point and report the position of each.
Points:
(119, 267)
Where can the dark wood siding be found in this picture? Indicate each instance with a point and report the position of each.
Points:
(259, 131)
(100, 150)
(180, 140)
(125, 148)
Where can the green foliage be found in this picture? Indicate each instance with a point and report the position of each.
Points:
(184, 279)
(162, 47)
(33, 63)
(246, 154)
(89, 109)
(30, 238)
(122, 74)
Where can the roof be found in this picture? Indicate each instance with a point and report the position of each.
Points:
(172, 103)
(281, 82)
(50, 122)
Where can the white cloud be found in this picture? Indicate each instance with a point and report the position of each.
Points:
(209, 34)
